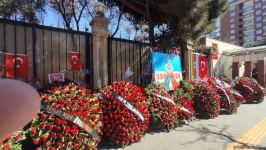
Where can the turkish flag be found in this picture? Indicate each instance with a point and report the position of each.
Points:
(194, 66)
(203, 66)
(16, 64)
(74, 58)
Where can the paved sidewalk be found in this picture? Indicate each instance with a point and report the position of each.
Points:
(212, 134)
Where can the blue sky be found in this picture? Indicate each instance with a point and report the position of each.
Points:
(51, 18)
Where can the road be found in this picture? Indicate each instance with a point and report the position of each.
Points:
(226, 132)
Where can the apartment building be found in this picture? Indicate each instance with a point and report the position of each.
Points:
(244, 23)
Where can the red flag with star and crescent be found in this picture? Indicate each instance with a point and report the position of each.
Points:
(194, 66)
(74, 58)
(203, 66)
(16, 64)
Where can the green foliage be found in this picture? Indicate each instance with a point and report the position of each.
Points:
(175, 21)
(25, 10)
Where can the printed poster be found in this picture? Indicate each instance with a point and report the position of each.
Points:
(167, 69)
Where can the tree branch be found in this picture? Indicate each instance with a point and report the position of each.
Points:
(131, 6)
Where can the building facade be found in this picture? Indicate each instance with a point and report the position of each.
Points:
(244, 23)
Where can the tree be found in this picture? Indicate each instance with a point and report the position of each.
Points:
(172, 21)
(70, 10)
(25, 10)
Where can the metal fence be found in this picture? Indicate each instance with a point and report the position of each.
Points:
(46, 47)
(126, 53)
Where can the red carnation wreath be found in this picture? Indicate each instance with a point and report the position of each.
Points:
(162, 107)
(49, 131)
(206, 101)
(125, 111)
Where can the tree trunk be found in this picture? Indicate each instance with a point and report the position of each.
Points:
(151, 34)
(77, 24)
(184, 60)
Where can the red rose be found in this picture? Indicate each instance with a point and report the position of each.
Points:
(8, 138)
(35, 141)
(43, 116)
(52, 148)
(59, 144)
(67, 129)
(33, 131)
(54, 89)
(53, 134)
(18, 136)
(44, 138)
(48, 143)
(74, 131)
(42, 125)
(76, 146)
(6, 147)
(57, 128)
(50, 127)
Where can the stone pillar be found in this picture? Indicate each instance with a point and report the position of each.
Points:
(247, 72)
(210, 63)
(261, 69)
(100, 35)
(235, 70)
(187, 61)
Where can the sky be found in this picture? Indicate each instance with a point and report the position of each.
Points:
(51, 18)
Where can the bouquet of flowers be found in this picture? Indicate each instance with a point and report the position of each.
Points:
(227, 100)
(70, 119)
(206, 101)
(126, 115)
(162, 107)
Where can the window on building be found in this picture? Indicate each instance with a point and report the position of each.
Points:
(259, 25)
(232, 37)
(258, 5)
(232, 20)
(258, 18)
(258, 12)
(232, 31)
(258, 31)
(232, 14)
(240, 32)
(240, 20)
(232, 26)
(240, 26)
(259, 38)
(232, 8)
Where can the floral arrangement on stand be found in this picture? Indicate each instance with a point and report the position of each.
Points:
(227, 99)
(229, 84)
(258, 90)
(49, 131)
(243, 86)
(206, 101)
(162, 108)
(125, 113)
(184, 101)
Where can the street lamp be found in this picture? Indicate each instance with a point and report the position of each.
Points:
(99, 8)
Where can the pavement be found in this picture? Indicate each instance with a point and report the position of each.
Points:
(244, 130)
